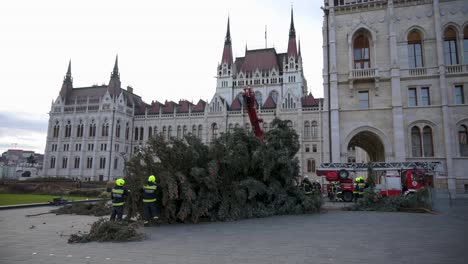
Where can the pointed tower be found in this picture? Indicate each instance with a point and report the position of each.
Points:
(226, 68)
(227, 52)
(114, 83)
(67, 85)
(292, 48)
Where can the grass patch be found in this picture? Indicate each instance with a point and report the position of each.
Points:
(13, 199)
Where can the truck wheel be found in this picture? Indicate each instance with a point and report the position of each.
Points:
(348, 196)
(343, 174)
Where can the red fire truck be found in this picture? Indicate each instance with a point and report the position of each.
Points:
(394, 178)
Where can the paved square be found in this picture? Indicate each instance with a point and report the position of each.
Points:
(333, 237)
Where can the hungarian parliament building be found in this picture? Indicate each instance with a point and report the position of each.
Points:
(395, 78)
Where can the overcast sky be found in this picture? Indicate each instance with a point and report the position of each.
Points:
(168, 50)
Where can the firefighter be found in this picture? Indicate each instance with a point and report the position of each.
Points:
(316, 187)
(359, 187)
(118, 195)
(149, 200)
(332, 191)
(307, 185)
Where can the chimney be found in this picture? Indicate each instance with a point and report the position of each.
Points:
(130, 89)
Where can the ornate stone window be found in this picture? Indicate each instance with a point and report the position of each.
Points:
(307, 133)
(361, 51)
(422, 144)
(450, 46)
(463, 140)
(200, 131)
(310, 165)
(415, 50)
(465, 45)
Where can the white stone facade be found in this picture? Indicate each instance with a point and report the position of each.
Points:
(411, 60)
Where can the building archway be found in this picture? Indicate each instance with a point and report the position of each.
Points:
(371, 140)
(370, 143)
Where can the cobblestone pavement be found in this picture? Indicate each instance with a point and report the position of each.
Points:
(333, 237)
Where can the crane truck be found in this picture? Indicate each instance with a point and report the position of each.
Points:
(396, 178)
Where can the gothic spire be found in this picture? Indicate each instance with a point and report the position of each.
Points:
(299, 54)
(292, 48)
(292, 31)
(227, 40)
(67, 85)
(227, 51)
(114, 83)
(115, 72)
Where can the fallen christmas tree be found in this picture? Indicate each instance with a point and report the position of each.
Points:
(103, 230)
(237, 176)
(371, 201)
(95, 209)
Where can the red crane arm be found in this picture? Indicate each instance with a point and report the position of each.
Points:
(249, 99)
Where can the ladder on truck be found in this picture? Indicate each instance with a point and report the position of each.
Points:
(435, 166)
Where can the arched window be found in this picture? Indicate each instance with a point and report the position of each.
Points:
(164, 132)
(68, 129)
(155, 130)
(127, 131)
(314, 129)
(465, 45)
(415, 57)
(52, 162)
(194, 130)
(117, 129)
(416, 144)
(77, 162)
(136, 133)
(169, 132)
(307, 129)
(428, 145)
(236, 125)
(230, 128)
(274, 96)
(463, 140)
(450, 46)
(179, 132)
(361, 52)
(289, 124)
(289, 102)
(150, 132)
(258, 98)
(214, 131)
(184, 131)
(92, 129)
(141, 133)
(105, 130)
(64, 162)
(200, 131)
(310, 165)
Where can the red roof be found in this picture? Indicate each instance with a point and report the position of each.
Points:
(269, 103)
(169, 107)
(292, 48)
(262, 59)
(154, 107)
(227, 54)
(309, 101)
(199, 107)
(183, 106)
(236, 104)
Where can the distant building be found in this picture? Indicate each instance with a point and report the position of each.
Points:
(20, 164)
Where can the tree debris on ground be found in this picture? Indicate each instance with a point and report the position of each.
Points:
(104, 230)
(237, 176)
(95, 209)
(372, 201)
